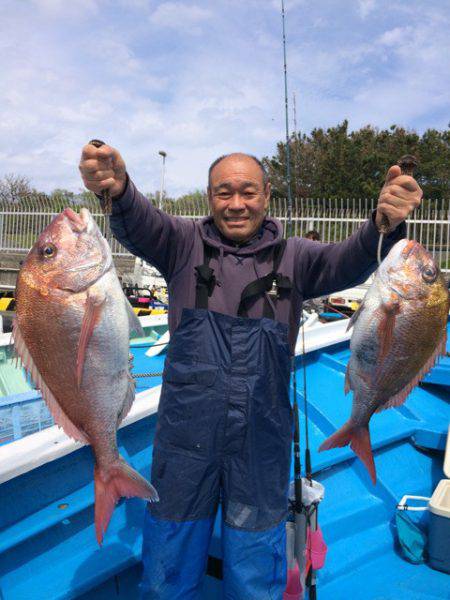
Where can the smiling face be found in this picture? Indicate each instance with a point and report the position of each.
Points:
(238, 198)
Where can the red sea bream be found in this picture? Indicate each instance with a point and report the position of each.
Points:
(399, 331)
(72, 334)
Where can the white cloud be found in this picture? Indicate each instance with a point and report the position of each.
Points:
(395, 36)
(178, 15)
(63, 8)
(365, 7)
(145, 87)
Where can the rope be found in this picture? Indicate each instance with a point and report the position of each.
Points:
(339, 312)
(136, 375)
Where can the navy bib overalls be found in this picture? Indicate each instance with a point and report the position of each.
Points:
(224, 435)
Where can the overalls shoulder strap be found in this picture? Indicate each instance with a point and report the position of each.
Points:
(274, 283)
(206, 280)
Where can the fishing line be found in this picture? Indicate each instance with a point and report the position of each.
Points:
(308, 468)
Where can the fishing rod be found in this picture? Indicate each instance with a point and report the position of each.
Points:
(297, 460)
(298, 505)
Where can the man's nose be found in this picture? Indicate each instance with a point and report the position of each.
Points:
(236, 202)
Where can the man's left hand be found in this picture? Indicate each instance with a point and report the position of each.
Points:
(400, 195)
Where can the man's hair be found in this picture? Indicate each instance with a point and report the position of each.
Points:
(313, 235)
(257, 161)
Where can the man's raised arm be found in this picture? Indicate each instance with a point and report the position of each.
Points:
(159, 238)
(322, 269)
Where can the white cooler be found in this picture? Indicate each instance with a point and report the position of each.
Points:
(439, 507)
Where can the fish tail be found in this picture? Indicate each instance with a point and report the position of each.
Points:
(119, 480)
(359, 439)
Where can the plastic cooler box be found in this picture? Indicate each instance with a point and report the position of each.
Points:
(439, 529)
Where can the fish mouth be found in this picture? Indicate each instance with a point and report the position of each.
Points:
(77, 222)
(410, 249)
(84, 223)
(81, 222)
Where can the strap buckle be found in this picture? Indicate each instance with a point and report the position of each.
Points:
(206, 278)
(274, 291)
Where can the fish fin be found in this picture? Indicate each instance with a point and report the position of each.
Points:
(348, 381)
(128, 402)
(355, 316)
(133, 320)
(443, 347)
(401, 396)
(386, 326)
(59, 416)
(119, 480)
(93, 310)
(359, 439)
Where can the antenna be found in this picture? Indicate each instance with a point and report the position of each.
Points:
(295, 112)
(297, 150)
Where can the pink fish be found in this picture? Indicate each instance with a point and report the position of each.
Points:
(399, 332)
(72, 334)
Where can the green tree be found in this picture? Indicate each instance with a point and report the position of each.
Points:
(335, 163)
(14, 188)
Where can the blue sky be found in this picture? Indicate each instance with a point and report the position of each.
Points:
(199, 79)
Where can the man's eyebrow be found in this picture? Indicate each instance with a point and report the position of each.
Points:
(229, 186)
(224, 185)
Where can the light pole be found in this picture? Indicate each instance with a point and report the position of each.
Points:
(161, 193)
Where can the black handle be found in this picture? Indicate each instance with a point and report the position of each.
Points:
(408, 164)
(105, 201)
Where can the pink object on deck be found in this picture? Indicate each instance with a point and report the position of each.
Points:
(316, 548)
(143, 300)
(294, 589)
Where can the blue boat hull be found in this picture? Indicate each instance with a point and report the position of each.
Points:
(47, 542)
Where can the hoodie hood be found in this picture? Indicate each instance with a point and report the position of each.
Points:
(270, 233)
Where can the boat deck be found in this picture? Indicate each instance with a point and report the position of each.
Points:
(47, 541)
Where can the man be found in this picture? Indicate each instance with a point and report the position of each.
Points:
(224, 419)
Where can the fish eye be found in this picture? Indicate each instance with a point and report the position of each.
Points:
(429, 273)
(48, 251)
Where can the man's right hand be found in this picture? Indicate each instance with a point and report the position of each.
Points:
(103, 169)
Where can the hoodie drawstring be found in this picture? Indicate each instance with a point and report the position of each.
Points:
(220, 271)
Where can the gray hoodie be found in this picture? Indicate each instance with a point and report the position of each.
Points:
(174, 245)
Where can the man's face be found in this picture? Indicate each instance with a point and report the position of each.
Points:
(237, 197)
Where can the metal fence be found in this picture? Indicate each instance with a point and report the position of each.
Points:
(335, 220)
